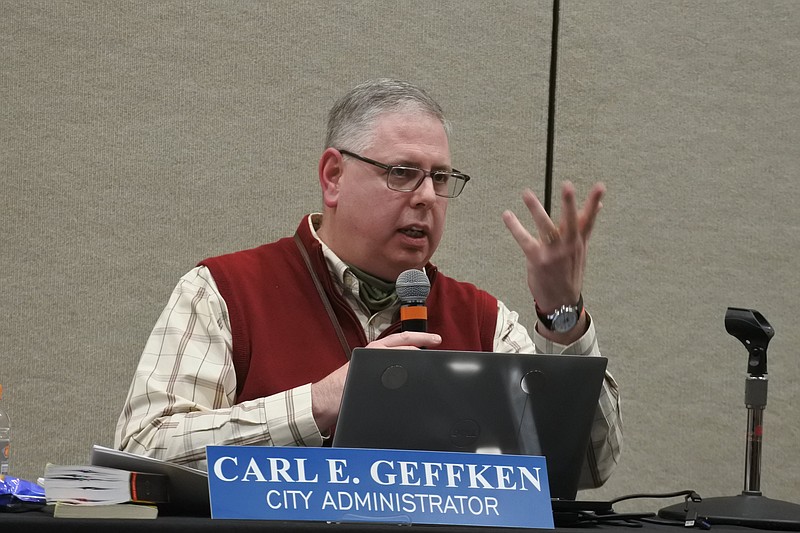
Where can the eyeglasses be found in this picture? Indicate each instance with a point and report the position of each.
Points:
(408, 179)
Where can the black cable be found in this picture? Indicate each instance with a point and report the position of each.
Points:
(635, 519)
(551, 109)
(690, 494)
(613, 517)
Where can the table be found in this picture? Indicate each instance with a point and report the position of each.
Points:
(35, 521)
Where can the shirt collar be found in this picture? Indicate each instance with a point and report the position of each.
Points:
(340, 272)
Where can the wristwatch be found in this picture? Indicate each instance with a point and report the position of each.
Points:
(562, 319)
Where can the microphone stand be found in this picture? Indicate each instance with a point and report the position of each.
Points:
(750, 508)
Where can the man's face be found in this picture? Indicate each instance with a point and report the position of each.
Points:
(382, 231)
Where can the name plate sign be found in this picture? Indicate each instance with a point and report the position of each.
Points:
(382, 486)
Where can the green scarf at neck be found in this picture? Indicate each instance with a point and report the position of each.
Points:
(376, 293)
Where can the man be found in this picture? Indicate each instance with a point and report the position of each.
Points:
(252, 347)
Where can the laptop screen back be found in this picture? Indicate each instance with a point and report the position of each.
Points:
(474, 402)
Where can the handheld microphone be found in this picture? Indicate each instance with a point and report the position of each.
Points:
(412, 289)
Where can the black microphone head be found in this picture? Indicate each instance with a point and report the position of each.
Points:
(412, 287)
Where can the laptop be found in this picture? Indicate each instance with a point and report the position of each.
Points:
(474, 402)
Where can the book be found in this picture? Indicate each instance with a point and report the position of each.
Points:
(100, 485)
(113, 510)
(188, 486)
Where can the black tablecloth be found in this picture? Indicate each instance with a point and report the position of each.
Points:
(35, 521)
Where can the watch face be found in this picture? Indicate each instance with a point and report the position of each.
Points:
(565, 321)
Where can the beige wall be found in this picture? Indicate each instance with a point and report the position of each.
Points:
(137, 138)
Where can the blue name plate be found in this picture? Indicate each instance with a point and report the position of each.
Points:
(382, 486)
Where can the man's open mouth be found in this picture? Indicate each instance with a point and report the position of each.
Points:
(413, 232)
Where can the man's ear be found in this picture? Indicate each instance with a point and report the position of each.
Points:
(331, 167)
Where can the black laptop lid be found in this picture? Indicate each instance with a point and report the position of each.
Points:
(474, 402)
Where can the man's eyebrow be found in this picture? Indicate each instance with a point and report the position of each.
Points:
(413, 164)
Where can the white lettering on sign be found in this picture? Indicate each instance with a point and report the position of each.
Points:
(288, 499)
(411, 473)
(387, 473)
(336, 471)
(410, 503)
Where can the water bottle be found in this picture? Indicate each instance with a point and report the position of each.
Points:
(5, 436)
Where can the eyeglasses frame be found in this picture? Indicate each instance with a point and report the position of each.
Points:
(426, 173)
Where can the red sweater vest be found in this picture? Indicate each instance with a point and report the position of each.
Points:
(282, 336)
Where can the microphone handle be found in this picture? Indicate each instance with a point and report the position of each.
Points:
(414, 318)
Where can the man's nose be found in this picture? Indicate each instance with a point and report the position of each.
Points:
(425, 193)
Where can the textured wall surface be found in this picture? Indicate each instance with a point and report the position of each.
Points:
(138, 138)
(690, 113)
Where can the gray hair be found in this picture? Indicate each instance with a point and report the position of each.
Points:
(351, 119)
